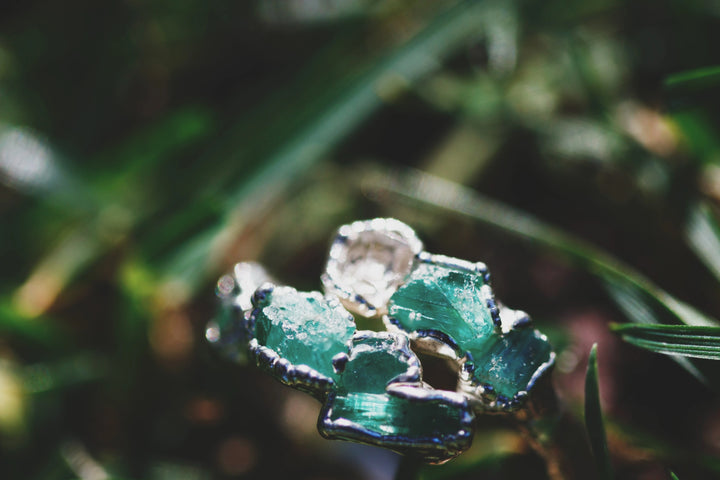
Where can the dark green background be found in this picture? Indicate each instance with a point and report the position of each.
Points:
(171, 139)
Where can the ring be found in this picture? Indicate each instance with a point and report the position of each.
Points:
(370, 383)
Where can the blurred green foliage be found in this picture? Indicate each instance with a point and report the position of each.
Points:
(147, 146)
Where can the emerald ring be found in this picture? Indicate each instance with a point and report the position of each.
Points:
(370, 383)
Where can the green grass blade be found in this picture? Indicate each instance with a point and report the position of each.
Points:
(700, 77)
(640, 299)
(317, 137)
(419, 187)
(693, 89)
(673, 476)
(37, 331)
(688, 341)
(703, 236)
(594, 419)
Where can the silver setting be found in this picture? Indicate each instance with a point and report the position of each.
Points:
(513, 319)
(456, 263)
(368, 261)
(408, 386)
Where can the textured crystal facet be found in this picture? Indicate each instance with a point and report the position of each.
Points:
(508, 362)
(444, 299)
(368, 261)
(303, 328)
(455, 307)
(389, 416)
(434, 423)
(374, 361)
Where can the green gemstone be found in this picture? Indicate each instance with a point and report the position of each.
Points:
(304, 328)
(374, 362)
(457, 303)
(509, 361)
(387, 416)
(440, 298)
(431, 423)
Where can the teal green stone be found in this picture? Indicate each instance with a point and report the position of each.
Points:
(454, 302)
(441, 298)
(430, 424)
(373, 363)
(303, 328)
(383, 415)
(508, 361)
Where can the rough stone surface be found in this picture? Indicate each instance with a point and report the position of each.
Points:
(508, 362)
(303, 328)
(372, 364)
(454, 303)
(431, 423)
(440, 298)
(388, 416)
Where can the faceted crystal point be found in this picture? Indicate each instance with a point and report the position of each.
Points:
(226, 331)
(380, 400)
(302, 328)
(368, 261)
(451, 303)
(510, 363)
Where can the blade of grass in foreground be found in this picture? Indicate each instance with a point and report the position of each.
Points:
(642, 308)
(594, 418)
(320, 135)
(640, 299)
(416, 186)
(703, 236)
(696, 342)
(701, 78)
(693, 88)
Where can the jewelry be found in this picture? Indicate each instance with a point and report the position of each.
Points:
(370, 383)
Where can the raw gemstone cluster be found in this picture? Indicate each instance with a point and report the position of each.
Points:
(310, 342)
(370, 383)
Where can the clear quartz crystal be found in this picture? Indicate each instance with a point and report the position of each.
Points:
(368, 261)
